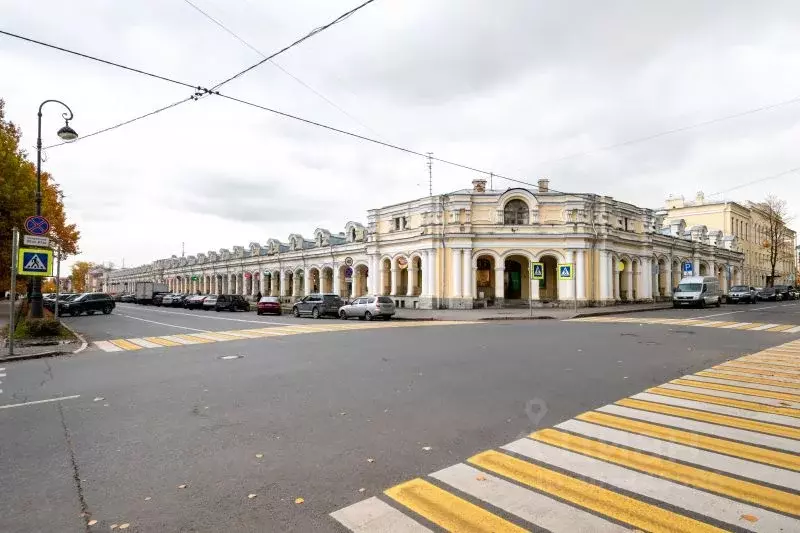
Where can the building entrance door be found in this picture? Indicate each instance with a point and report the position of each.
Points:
(513, 280)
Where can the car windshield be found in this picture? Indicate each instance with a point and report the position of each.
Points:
(689, 287)
(780, 287)
(768, 290)
(740, 288)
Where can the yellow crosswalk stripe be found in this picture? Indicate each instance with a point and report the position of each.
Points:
(726, 401)
(745, 379)
(162, 342)
(755, 370)
(713, 418)
(774, 358)
(220, 336)
(125, 345)
(782, 327)
(446, 510)
(772, 363)
(192, 338)
(687, 475)
(688, 438)
(780, 356)
(738, 390)
(721, 324)
(619, 507)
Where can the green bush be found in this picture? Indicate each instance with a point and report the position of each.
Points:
(43, 327)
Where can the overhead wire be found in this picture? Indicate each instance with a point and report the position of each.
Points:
(277, 65)
(99, 60)
(310, 34)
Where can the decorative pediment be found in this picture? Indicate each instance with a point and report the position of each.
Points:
(273, 246)
(201, 258)
(296, 241)
(255, 248)
(322, 237)
(212, 256)
(191, 260)
(238, 251)
(224, 254)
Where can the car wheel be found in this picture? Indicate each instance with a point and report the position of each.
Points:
(296, 312)
(315, 313)
(107, 310)
(343, 315)
(258, 313)
(703, 303)
(367, 316)
(719, 302)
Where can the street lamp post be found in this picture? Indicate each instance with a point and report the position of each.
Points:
(65, 133)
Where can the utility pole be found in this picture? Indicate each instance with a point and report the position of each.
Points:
(183, 249)
(13, 291)
(430, 173)
(491, 181)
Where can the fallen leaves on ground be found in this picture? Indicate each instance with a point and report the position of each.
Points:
(124, 526)
(362, 489)
(182, 486)
(251, 496)
(750, 518)
(480, 478)
(370, 460)
(298, 500)
(148, 498)
(259, 455)
(114, 526)
(92, 522)
(427, 448)
(99, 399)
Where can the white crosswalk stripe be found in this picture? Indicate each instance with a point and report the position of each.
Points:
(732, 396)
(373, 515)
(721, 409)
(107, 346)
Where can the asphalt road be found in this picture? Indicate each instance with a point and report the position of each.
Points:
(316, 416)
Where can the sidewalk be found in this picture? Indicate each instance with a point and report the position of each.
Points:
(29, 352)
(522, 314)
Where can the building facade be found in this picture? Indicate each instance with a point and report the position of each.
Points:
(469, 248)
(750, 227)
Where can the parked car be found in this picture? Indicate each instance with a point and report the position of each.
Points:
(89, 303)
(51, 304)
(794, 292)
(179, 299)
(128, 298)
(116, 297)
(783, 290)
(231, 302)
(742, 293)
(268, 304)
(697, 291)
(368, 307)
(318, 305)
(210, 302)
(158, 298)
(169, 299)
(769, 294)
(194, 302)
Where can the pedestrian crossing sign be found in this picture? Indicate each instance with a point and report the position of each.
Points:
(35, 262)
(566, 271)
(537, 271)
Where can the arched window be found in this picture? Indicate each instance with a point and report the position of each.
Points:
(352, 234)
(516, 213)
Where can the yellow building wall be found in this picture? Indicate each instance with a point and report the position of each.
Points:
(483, 213)
(551, 213)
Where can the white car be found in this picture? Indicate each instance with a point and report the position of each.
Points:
(368, 307)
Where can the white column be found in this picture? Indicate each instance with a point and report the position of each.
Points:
(395, 290)
(307, 285)
(455, 289)
(412, 279)
(468, 281)
(668, 281)
(615, 277)
(337, 283)
(566, 287)
(695, 266)
(629, 278)
(580, 274)
(426, 268)
(604, 277)
(499, 282)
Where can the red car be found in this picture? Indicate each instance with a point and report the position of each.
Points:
(269, 304)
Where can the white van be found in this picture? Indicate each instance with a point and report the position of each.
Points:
(697, 290)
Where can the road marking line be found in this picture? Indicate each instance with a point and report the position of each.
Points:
(724, 324)
(159, 323)
(245, 334)
(703, 479)
(719, 398)
(697, 401)
(446, 510)
(214, 336)
(738, 390)
(699, 426)
(759, 365)
(782, 327)
(751, 399)
(619, 507)
(716, 314)
(125, 345)
(781, 364)
(737, 383)
(742, 460)
(736, 325)
(180, 340)
(779, 358)
(752, 375)
(191, 337)
(206, 316)
(765, 326)
(145, 343)
(162, 341)
(107, 346)
(536, 508)
(36, 402)
(787, 356)
(754, 370)
(740, 377)
(374, 515)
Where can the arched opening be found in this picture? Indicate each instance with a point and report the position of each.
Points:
(359, 280)
(548, 287)
(637, 279)
(516, 278)
(248, 283)
(516, 213)
(352, 234)
(722, 279)
(314, 280)
(625, 280)
(415, 276)
(326, 285)
(289, 289)
(299, 283)
(484, 278)
(703, 269)
(401, 268)
(663, 269)
(386, 277)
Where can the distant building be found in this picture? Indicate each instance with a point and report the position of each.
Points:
(96, 278)
(470, 248)
(747, 224)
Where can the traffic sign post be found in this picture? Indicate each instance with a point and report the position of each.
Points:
(537, 271)
(13, 291)
(35, 262)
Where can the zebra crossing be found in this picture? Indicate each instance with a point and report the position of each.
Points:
(718, 450)
(694, 322)
(205, 337)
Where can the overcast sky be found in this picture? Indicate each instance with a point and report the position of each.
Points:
(502, 86)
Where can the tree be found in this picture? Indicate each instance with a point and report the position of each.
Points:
(18, 195)
(79, 272)
(48, 285)
(777, 237)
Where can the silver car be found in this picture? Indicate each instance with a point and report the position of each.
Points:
(368, 307)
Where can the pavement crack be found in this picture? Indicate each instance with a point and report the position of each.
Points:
(48, 372)
(76, 477)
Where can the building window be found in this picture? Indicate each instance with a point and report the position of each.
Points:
(516, 213)
(399, 223)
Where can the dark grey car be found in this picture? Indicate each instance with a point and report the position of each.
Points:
(742, 293)
(318, 305)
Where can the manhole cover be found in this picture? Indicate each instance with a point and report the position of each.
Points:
(229, 357)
